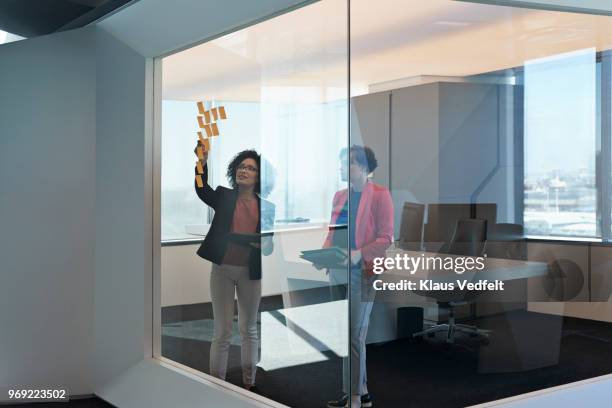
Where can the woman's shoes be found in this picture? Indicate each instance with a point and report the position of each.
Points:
(339, 403)
(366, 402)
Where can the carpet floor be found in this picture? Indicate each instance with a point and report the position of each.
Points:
(526, 352)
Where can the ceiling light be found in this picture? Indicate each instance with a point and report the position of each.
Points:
(452, 23)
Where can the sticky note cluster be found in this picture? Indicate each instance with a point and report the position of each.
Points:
(208, 121)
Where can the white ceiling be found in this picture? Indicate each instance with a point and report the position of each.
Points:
(302, 55)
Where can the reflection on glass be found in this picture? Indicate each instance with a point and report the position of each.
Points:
(258, 310)
(485, 124)
(368, 208)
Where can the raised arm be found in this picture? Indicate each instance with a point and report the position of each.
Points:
(206, 193)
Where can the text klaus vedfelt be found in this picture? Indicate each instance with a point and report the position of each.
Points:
(412, 264)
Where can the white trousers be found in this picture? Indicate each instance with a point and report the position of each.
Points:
(225, 280)
(361, 300)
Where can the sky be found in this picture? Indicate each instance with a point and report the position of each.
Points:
(561, 112)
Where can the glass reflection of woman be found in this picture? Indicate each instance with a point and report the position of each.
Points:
(370, 216)
(236, 267)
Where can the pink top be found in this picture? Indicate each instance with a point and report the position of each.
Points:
(246, 217)
(374, 224)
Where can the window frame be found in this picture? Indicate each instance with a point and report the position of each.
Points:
(603, 157)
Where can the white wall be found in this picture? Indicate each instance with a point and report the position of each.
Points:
(123, 253)
(47, 182)
(370, 127)
(184, 276)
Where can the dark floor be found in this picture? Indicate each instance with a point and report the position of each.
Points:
(430, 374)
(77, 403)
(427, 374)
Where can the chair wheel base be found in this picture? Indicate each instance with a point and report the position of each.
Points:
(450, 329)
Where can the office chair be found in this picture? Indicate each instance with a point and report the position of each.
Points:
(469, 239)
(442, 218)
(506, 241)
(411, 228)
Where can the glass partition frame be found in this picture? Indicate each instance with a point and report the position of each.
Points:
(338, 90)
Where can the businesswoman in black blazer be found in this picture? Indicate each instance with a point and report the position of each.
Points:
(236, 266)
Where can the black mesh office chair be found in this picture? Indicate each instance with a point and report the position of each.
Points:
(469, 239)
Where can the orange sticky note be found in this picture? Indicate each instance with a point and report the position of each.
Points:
(214, 113)
(200, 153)
(200, 168)
(199, 181)
(215, 129)
(201, 122)
(201, 108)
(208, 130)
(201, 137)
(207, 116)
(222, 112)
(206, 145)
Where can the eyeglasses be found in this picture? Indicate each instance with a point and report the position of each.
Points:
(249, 168)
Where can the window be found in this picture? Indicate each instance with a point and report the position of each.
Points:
(560, 145)
(296, 136)
(181, 211)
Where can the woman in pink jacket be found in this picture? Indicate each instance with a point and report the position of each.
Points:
(370, 233)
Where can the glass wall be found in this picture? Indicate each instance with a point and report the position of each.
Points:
(441, 222)
(490, 127)
(248, 250)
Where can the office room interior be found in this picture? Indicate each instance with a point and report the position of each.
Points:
(488, 120)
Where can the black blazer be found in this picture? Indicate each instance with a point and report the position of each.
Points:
(223, 201)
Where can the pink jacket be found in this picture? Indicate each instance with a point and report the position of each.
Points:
(374, 225)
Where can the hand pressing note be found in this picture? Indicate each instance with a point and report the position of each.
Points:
(204, 157)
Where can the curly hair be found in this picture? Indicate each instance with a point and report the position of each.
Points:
(232, 167)
(363, 155)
